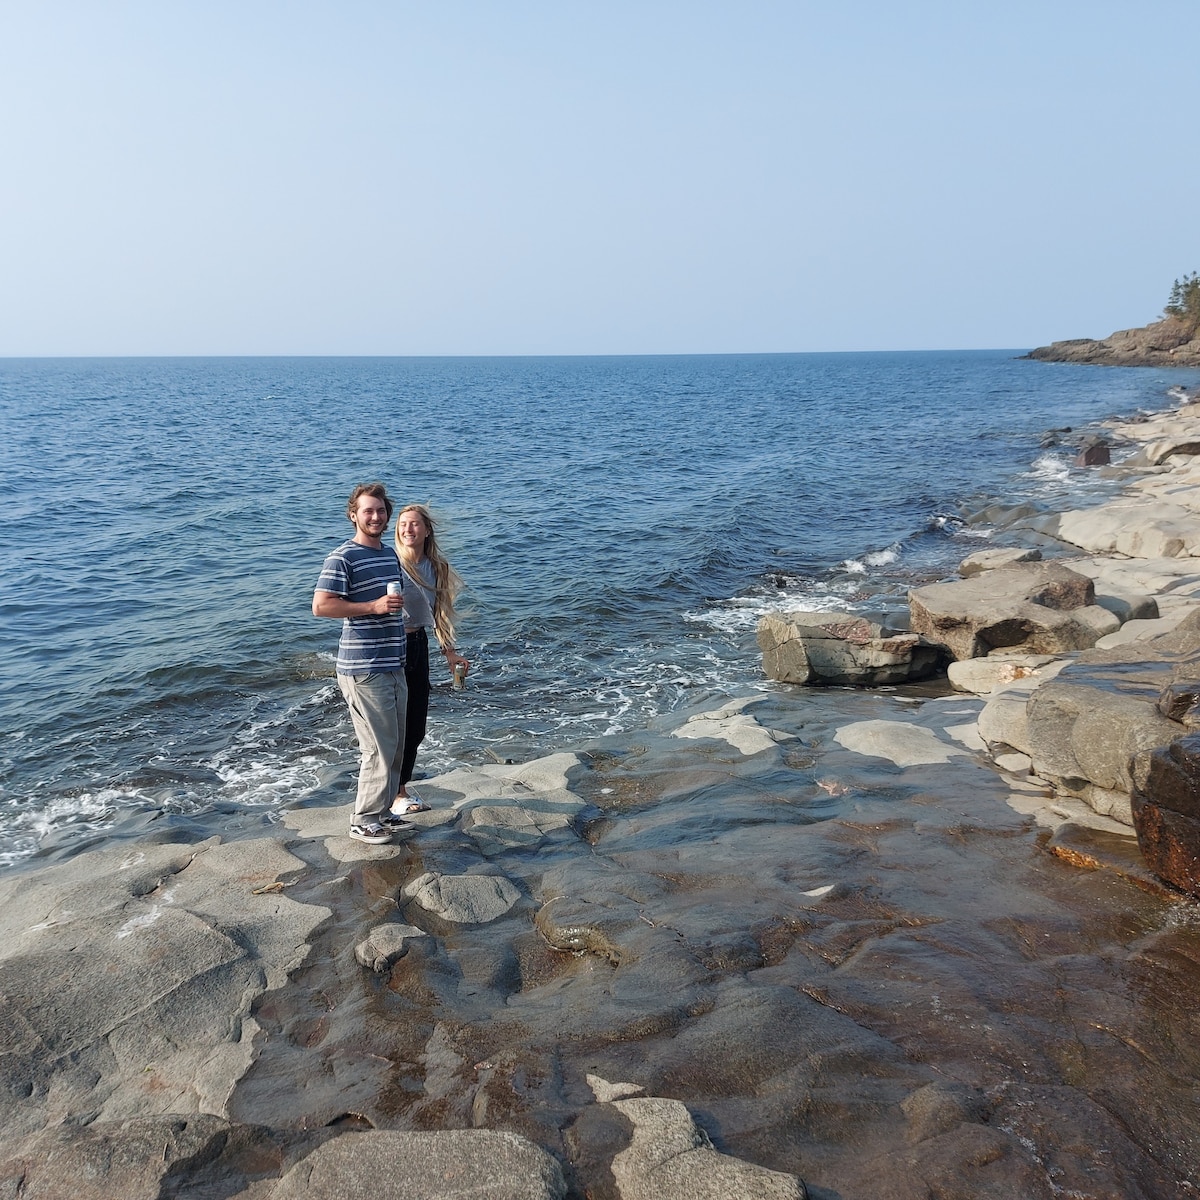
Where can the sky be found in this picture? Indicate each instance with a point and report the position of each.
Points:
(379, 177)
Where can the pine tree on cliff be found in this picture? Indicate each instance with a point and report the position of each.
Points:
(1184, 301)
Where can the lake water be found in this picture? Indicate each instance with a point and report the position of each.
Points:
(622, 524)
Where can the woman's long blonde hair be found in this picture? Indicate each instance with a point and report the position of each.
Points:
(448, 583)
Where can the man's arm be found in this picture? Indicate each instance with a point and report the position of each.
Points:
(326, 604)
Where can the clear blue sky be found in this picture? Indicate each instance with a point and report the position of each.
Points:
(561, 177)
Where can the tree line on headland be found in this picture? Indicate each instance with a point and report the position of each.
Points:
(1172, 341)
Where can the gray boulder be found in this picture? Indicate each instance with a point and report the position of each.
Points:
(669, 1158)
(451, 1165)
(808, 647)
(1034, 608)
(464, 899)
(994, 559)
(1087, 725)
(384, 945)
(128, 978)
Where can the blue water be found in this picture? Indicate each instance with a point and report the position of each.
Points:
(622, 523)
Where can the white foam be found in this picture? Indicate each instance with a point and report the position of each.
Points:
(1050, 468)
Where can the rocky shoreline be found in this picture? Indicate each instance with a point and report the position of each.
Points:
(1090, 665)
(832, 942)
(1171, 342)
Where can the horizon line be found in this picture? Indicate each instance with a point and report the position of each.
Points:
(1019, 350)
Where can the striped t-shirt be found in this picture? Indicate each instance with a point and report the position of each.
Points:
(359, 573)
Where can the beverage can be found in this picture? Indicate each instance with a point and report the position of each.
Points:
(395, 588)
(460, 675)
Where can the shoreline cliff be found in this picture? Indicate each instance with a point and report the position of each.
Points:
(1171, 342)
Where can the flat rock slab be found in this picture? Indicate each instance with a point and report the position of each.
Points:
(496, 828)
(899, 742)
(993, 559)
(731, 725)
(1134, 528)
(127, 978)
(982, 676)
(452, 1165)
(145, 1159)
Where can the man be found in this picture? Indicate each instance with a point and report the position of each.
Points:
(353, 588)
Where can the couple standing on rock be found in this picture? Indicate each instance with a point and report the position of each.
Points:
(386, 599)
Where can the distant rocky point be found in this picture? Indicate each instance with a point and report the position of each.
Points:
(1171, 342)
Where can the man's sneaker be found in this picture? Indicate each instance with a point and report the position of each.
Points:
(372, 832)
(393, 822)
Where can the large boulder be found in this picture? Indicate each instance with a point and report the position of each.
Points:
(814, 647)
(1085, 728)
(1033, 608)
(1166, 811)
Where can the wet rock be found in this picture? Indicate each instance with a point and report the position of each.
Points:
(127, 978)
(1180, 701)
(384, 945)
(142, 1159)
(1093, 454)
(496, 828)
(581, 926)
(1166, 811)
(938, 1107)
(463, 899)
(424, 1166)
(806, 647)
(669, 1158)
(729, 724)
(1034, 608)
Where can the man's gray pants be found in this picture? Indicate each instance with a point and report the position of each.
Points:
(378, 703)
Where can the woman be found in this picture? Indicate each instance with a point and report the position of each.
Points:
(431, 585)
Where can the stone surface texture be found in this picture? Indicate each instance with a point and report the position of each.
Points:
(810, 647)
(1031, 608)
